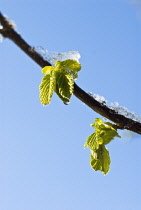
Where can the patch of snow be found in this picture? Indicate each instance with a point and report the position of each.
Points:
(124, 111)
(11, 22)
(115, 106)
(43, 52)
(74, 55)
(98, 98)
(54, 56)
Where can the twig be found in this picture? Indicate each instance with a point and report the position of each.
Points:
(121, 121)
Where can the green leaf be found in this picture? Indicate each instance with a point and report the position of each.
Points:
(59, 79)
(104, 134)
(105, 130)
(47, 69)
(64, 85)
(70, 66)
(107, 134)
(97, 123)
(46, 88)
(100, 159)
(93, 142)
(59, 66)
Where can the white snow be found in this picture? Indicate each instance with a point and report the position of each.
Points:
(54, 56)
(118, 109)
(11, 22)
(64, 56)
(42, 51)
(124, 111)
(98, 98)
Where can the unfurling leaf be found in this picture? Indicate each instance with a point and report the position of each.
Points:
(105, 131)
(92, 142)
(46, 88)
(47, 69)
(104, 134)
(100, 159)
(64, 85)
(59, 79)
(70, 66)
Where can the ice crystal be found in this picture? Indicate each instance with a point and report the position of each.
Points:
(54, 56)
(124, 111)
(98, 98)
(118, 109)
(74, 55)
(43, 52)
(11, 22)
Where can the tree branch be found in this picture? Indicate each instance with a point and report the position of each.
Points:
(121, 121)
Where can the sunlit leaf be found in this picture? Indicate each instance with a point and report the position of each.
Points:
(92, 142)
(100, 159)
(70, 66)
(96, 123)
(64, 85)
(46, 88)
(59, 79)
(47, 69)
(105, 130)
(104, 134)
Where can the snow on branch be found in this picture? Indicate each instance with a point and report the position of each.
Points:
(121, 110)
(119, 115)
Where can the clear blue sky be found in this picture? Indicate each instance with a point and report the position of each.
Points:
(43, 165)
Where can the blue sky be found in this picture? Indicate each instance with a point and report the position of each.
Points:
(43, 164)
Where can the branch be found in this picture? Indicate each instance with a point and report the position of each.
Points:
(121, 121)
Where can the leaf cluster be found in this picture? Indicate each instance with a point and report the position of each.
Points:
(104, 134)
(59, 79)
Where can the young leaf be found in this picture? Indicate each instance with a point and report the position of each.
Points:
(108, 134)
(65, 100)
(97, 123)
(47, 69)
(64, 85)
(100, 159)
(46, 88)
(59, 79)
(70, 66)
(92, 142)
(104, 133)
